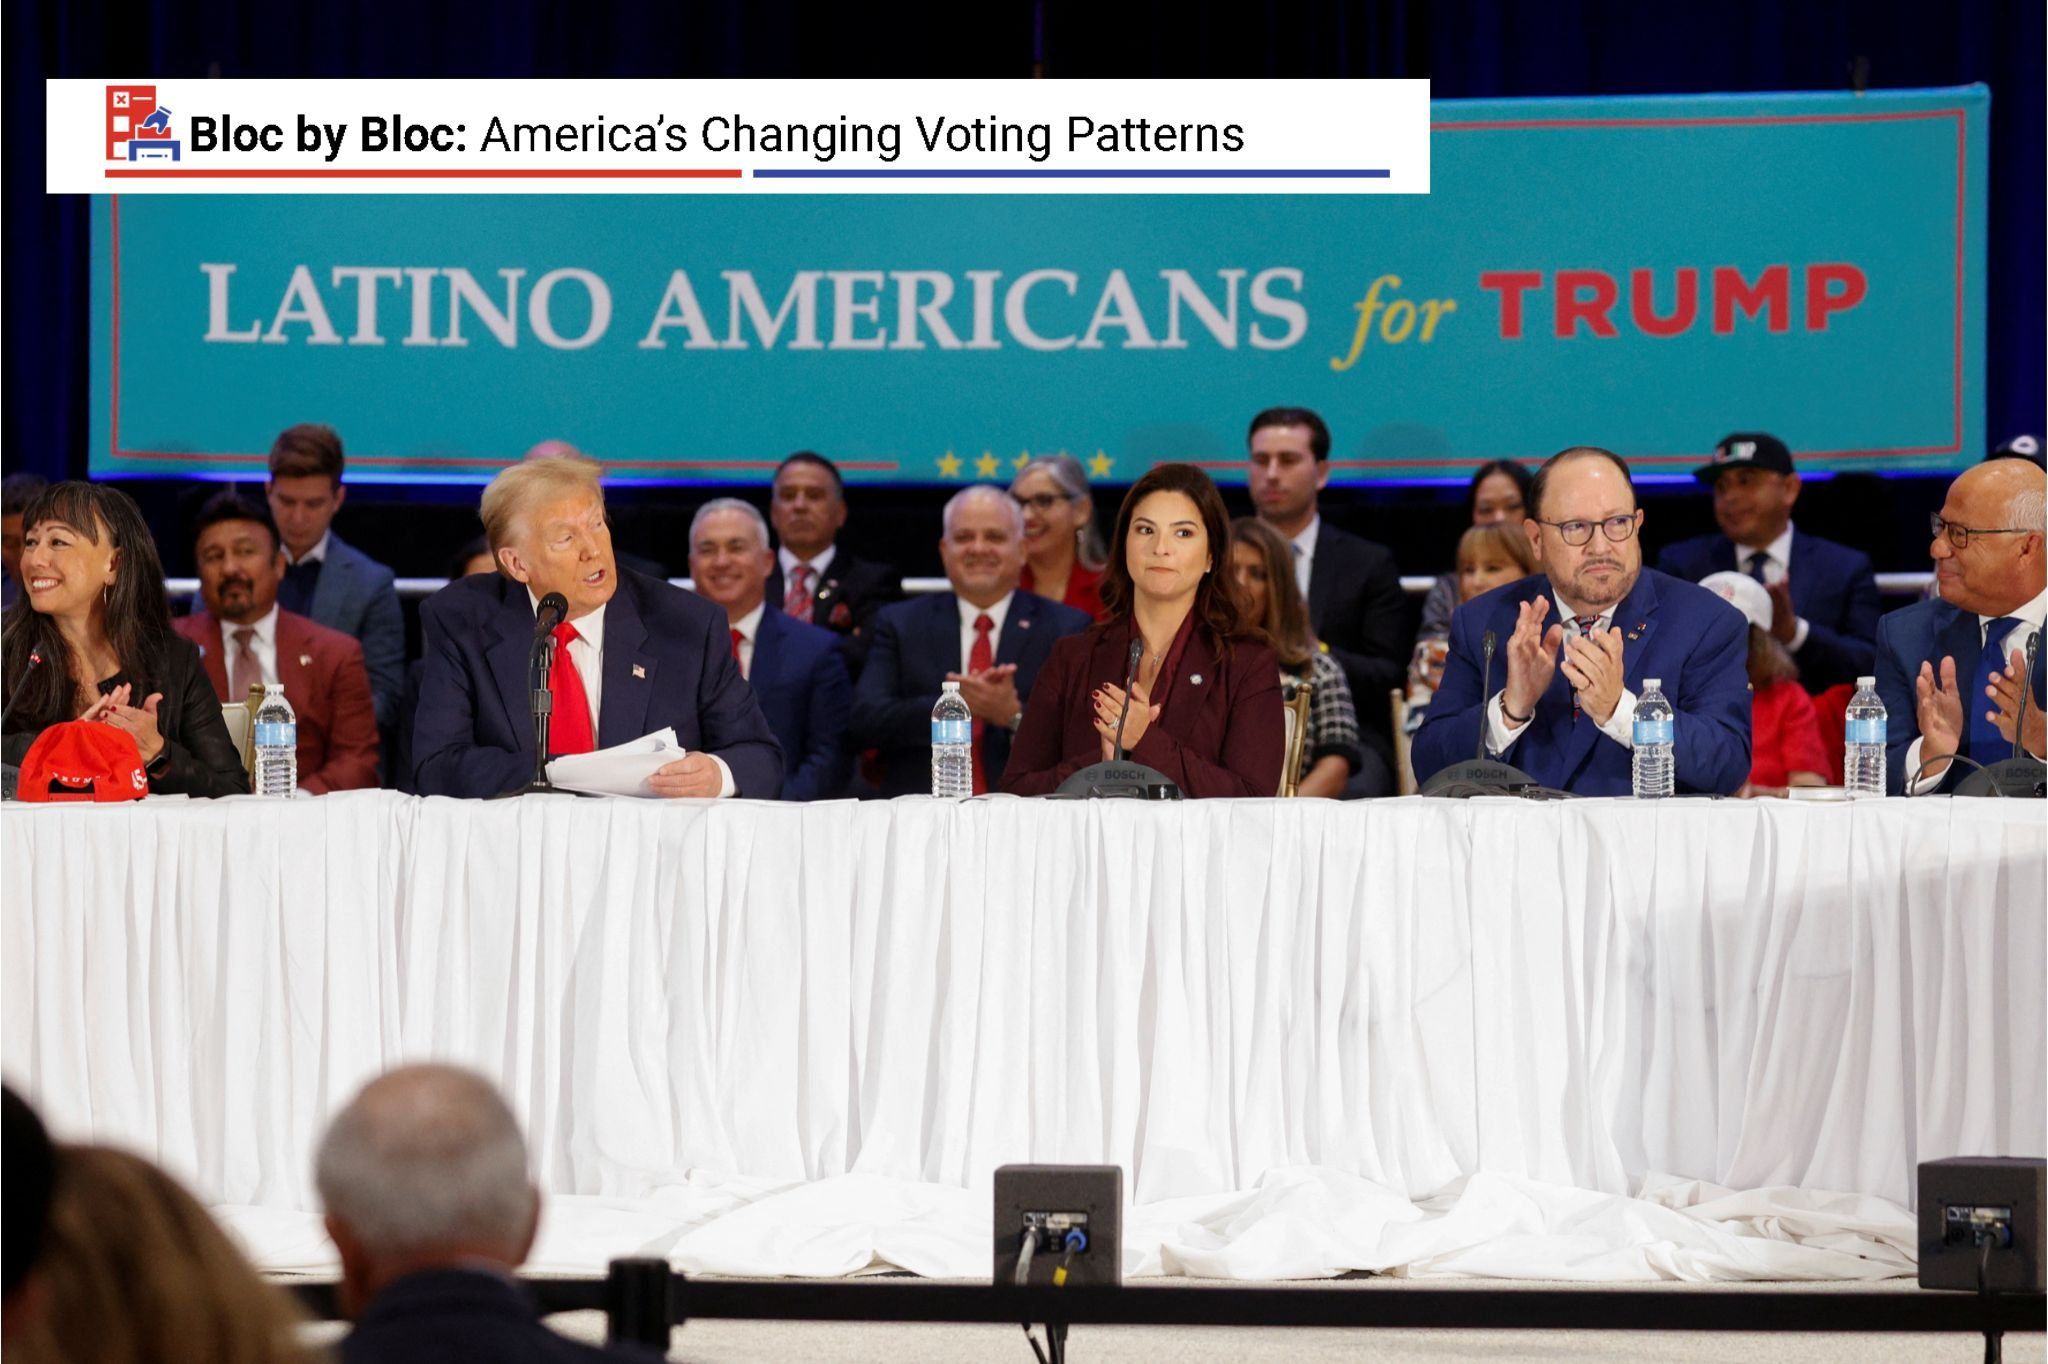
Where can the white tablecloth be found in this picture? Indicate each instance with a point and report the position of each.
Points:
(782, 1037)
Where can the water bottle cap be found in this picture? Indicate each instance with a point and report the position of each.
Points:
(1652, 683)
(1866, 682)
(949, 686)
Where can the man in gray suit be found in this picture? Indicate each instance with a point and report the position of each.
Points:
(324, 578)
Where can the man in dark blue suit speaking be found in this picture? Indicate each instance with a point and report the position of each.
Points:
(797, 671)
(1823, 595)
(985, 634)
(1579, 638)
(634, 656)
(1949, 669)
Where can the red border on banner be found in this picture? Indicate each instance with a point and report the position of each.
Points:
(452, 462)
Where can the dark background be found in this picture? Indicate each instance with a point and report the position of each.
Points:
(1467, 48)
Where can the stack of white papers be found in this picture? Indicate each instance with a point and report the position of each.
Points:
(619, 771)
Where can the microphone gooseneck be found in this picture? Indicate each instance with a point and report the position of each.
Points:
(1485, 695)
(1130, 680)
(2019, 727)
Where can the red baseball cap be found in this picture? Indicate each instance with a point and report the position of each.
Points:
(83, 760)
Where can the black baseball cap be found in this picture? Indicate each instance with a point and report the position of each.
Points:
(2027, 448)
(1746, 450)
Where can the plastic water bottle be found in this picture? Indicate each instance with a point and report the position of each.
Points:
(277, 744)
(952, 744)
(1864, 739)
(1652, 765)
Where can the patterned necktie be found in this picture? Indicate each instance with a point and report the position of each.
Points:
(570, 729)
(1587, 625)
(295, 593)
(1986, 744)
(1757, 560)
(980, 659)
(796, 603)
(246, 672)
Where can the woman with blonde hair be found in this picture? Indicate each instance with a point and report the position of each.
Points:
(1262, 566)
(1064, 555)
(134, 1271)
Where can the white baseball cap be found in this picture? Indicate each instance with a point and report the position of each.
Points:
(1744, 593)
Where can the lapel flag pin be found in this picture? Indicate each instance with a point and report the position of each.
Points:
(639, 671)
(305, 660)
(1023, 625)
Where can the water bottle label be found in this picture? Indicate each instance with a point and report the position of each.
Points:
(952, 732)
(1649, 732)
(1864, 731)
(274, 735)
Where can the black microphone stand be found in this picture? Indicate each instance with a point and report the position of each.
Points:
(540, 664)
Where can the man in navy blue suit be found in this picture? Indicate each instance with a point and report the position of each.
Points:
(1580, 638)
(1949, 669)
(633, 656)
(985, 634)
(1823, 595)
(326, 579)
(431, 1204)
(796, 670)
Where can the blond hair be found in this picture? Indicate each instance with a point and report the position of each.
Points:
(136, 1272)
(526, 484)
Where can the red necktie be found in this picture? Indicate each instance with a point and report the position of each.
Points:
(979, 660)
(796, 603)
(736, 652)
(569, 731)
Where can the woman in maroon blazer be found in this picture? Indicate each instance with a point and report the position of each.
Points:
(1205, 708)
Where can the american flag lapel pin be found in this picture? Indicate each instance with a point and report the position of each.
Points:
(305, 660)
(639, 672)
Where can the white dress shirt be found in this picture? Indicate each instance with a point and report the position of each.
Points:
(1777, 567)
(586, 651)
(995, 614)
(1619, 726)
(263, 645)
(2031, 623)
(748, 625)
(818, 566)
(1305, 553)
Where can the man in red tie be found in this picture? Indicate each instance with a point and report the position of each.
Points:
(813, 579)
(632, 656)
(245, 639)
(985, 634)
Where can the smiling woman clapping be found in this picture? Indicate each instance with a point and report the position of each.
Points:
(1205, 707)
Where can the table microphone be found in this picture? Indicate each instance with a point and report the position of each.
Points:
(1486, 692)
(548, 614)
(2022, 775)
(1482, 776)
(35, 660)
(1130, 680)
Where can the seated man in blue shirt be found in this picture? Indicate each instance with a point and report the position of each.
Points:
(1579, 637)
(1823, 595)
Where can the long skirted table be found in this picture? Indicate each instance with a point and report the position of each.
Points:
(1599, 1039)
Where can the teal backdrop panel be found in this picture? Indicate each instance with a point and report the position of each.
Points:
(1643, 274)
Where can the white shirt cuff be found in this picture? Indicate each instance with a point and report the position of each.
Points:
(1499, 738)
(1620, 726)
(1927, 781)
(1799, 632)
(727, 787)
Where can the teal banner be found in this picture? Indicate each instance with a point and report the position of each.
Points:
(1642, 274)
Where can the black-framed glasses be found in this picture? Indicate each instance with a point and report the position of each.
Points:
(1959, 536)
(1576, 533)
(1039, 502)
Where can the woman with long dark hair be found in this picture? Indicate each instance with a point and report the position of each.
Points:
(1205, 706)
(91, 639)
(1262, 564)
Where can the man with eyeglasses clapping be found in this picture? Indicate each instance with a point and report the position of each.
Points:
(1574, 643)
(1950, 669)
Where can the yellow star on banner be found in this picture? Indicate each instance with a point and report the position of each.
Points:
(949, 465)
(1021, 460)
(1100, 466)
(987, 465)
